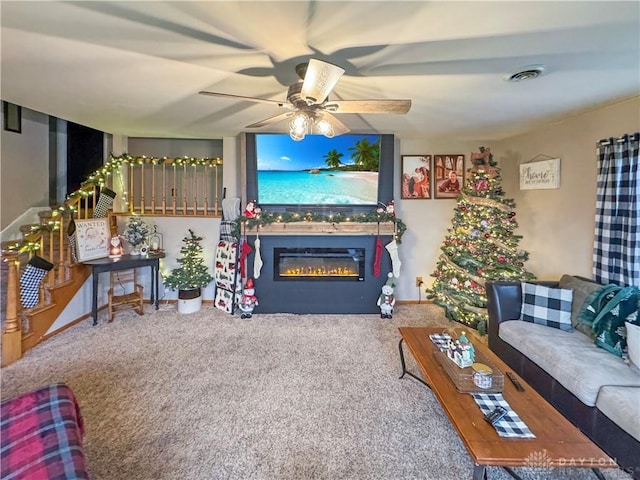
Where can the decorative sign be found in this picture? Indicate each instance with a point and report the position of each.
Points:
(540, 175)
(93, 237)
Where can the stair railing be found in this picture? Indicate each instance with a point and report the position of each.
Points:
(147, 186)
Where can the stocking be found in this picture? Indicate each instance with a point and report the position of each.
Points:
(245, 250)
(71, 235)
(392, 248)
(257, 260)
(377, 258)
(105, 202)
(30, 280)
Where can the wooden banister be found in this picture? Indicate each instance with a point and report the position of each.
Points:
(12, 336)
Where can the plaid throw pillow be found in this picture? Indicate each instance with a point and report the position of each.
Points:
(547, 306)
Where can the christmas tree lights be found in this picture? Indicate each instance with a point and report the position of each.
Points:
(192, 273)
(480, 246)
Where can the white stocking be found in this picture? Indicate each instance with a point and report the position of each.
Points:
(257, 259)
(392, 248)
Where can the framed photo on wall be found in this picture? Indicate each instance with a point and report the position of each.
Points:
(448, 175)
(416, 177)
(92, 238)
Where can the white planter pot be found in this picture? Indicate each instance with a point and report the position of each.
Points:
(189, 301)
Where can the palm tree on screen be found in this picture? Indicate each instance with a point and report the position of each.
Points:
(365, 154)
(332, 158)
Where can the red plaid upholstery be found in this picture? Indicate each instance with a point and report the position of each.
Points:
(42, 436)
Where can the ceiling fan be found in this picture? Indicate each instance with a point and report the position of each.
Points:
(308, 106)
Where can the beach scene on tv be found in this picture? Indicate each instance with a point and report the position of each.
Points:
(318, 170)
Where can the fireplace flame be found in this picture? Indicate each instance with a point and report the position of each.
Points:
(319, 272)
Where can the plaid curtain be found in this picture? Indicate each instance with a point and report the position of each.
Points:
(616, 249)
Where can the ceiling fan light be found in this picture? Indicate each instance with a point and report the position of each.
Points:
(296, 136)
(325, 128)
(299, 122)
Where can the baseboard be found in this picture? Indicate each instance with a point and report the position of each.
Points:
(414, 302)
(70, 324)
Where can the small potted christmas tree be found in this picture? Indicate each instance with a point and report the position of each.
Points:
(190, 276)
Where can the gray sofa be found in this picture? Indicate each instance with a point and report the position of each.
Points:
(597, 391)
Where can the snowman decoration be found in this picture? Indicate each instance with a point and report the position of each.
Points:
(386, 300)
(248, 301)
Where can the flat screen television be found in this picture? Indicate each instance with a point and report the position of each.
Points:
(348, 173)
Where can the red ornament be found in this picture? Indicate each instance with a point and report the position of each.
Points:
(512, 214)
(463, 208)
(487, 235)
(502, 258)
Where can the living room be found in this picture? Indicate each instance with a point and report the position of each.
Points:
(557, 225)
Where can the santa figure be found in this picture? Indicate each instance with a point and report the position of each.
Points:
(250, 209)
(249, 300)
(386, 300)
(391, 209)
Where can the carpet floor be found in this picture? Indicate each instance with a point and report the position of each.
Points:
(279, 396)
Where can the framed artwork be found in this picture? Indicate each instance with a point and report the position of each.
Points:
(448, 175)
(540, 175)
(93, 237)
(416, 177)
(12, 117)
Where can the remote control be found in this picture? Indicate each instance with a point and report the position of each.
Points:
(515, 381)
(496, 415)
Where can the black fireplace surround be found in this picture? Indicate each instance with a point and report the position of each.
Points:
(332, 286)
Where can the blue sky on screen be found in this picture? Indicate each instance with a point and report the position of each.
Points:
(280, 152)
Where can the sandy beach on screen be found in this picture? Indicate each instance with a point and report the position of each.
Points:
(369, 177)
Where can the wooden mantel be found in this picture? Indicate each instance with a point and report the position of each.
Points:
(324, 228)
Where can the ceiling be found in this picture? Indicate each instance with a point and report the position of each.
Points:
(135, 68)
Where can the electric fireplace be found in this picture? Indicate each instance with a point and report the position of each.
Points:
(319, 264)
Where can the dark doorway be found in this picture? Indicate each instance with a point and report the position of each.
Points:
(84, 154)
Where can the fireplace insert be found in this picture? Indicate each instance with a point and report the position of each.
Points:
(324, 264)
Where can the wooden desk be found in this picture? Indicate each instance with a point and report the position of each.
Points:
(125, 262)
(557, 444)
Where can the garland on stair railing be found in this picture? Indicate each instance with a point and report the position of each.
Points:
(97, 179)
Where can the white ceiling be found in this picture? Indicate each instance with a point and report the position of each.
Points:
(135, 68)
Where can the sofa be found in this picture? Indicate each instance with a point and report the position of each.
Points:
(594, 389)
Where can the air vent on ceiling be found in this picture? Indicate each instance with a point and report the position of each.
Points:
(526, 73)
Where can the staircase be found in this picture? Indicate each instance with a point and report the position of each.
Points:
(148, 185)
(24, 328)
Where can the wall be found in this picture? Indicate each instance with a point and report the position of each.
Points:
(558, 225)
(24, 171)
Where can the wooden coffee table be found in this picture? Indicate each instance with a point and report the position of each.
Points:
(558, 443)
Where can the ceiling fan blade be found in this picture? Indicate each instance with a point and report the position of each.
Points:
(319, 79)
(339, 128)
(269, 121)
(248, 99)
(368, 106)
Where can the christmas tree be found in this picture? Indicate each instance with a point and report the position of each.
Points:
(480, 246)
(192, 273)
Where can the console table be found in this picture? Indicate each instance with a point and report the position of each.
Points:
(125, 262)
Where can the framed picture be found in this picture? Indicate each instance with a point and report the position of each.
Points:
(12, 117)
(416, 177)
(448, 175)
(92, 238)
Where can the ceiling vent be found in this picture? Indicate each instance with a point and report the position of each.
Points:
(526, 73)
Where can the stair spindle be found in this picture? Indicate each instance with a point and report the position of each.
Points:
(142, 205)
(61, 250)
(184, 188)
